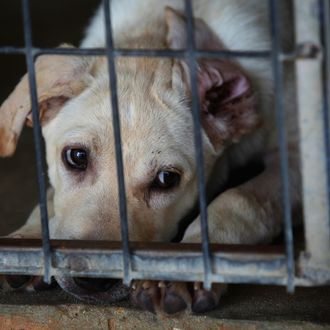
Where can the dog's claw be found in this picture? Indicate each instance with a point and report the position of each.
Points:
(161, 284)
(197, 286)
(145, 295)
(173, 303)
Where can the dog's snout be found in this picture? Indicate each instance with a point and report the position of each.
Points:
(94, 284)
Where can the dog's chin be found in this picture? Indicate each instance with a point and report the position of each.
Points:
(94, 291)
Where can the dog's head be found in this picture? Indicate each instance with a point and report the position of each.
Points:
(156, 130)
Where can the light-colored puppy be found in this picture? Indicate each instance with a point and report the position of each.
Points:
(237, 113)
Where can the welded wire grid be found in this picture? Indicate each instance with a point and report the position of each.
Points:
(190, 55)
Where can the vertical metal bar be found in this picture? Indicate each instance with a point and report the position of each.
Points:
(326, 29)
(198, 145)
(313, 142)
(280, 119)
(325, 36)
(118, 149)
(39, 148)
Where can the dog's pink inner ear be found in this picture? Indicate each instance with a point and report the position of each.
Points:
(227, 101)
(220, 88)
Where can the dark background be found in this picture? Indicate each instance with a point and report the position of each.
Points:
(53, 23)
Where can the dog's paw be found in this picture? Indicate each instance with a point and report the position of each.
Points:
(175, 297)
(24, 283)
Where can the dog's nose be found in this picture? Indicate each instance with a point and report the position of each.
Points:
(94, 284)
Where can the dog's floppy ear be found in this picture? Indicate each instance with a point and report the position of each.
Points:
(225, 92)
(59, 78)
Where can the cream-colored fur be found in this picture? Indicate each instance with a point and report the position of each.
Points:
(156, 127)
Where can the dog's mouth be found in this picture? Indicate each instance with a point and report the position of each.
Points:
(94, 290)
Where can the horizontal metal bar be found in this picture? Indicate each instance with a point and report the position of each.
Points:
(134, 52)
(8, 50)
(158, 261)
(303, 51)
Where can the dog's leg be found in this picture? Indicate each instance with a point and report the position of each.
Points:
(249, 214)
(253, 212)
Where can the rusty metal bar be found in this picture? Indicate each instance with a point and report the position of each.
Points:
(155, 261)
(180, 262)
(315, 263)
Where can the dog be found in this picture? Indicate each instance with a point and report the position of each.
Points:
(154, 94)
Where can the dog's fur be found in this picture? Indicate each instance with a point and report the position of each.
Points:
(157, 130)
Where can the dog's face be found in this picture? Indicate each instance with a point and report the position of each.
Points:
(157, 135)
(158, 155)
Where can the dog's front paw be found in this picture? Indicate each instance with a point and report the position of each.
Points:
(24, 283)
(175, 297)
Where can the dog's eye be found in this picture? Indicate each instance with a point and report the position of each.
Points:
(166, 180)
(76, 158)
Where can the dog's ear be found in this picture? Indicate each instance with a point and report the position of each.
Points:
(59, 79)
(227, 100)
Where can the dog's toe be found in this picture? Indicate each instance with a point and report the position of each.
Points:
(205, 300)
(175, 297)
(145, 294)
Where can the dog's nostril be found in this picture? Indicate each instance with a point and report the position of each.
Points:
(94, 284)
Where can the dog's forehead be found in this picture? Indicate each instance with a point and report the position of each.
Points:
(151, 115)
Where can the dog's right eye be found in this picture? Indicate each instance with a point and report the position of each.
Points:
(76, 158)
(166, 180)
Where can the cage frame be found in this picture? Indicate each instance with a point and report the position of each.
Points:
(207, 263)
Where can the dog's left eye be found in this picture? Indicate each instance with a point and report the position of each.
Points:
(166, 180)
(76, 158)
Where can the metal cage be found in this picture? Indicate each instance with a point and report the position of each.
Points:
(194, 262)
